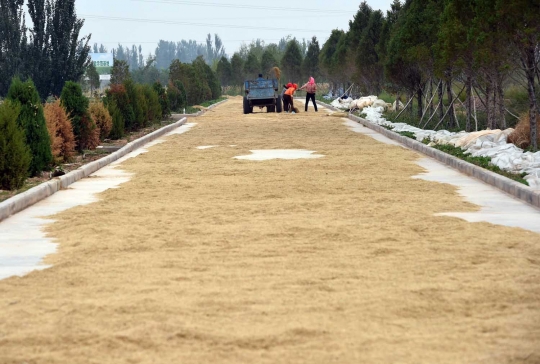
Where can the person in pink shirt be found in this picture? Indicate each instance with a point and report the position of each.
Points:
(311, 89)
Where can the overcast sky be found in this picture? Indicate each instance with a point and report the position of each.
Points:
(145, 22)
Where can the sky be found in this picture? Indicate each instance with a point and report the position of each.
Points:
(145, 22)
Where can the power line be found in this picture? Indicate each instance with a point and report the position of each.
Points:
(159, 21)
(199, 42)
(238, 6)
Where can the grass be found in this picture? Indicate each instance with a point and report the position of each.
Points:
(28, 184)
(484, 162)
(408, 134)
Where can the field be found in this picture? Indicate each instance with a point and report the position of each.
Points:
(203, 258)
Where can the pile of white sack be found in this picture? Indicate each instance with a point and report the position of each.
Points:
(485, 143)
(367, 101)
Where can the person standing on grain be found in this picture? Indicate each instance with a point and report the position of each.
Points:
(311, 89)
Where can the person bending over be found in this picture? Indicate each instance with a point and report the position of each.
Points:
(311, 89)
(288, 97)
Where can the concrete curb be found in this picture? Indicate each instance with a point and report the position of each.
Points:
(504, 184)
(200, 112)
(21, 201)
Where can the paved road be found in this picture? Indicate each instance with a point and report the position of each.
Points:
(343, 257)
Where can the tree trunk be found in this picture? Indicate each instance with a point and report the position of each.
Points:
(530, 69)
(500, 108)
(489, 108)
(431, 106)
(468, 103)
(410, 107)
(441, 105)
(419, 95)
(451, 115)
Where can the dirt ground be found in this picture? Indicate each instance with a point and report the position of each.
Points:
(202, 258)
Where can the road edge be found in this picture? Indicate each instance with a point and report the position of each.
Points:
(515, 189)
(28, 198)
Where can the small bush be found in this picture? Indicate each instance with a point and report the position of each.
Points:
(173, 94)
(102, 118)
(76, 104)
(154, 107)
(163, 100)
(135, 123)
(15, 156)
(60, 131)
(32, 121)
(117, 130)
(118, 95)
(142, 103)
(177, 96)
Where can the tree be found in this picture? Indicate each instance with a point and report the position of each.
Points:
(410, 57)
(100, 49)
(252, 67)
(454, 48)
(15, 156)
(12, 42)
(492, 56)
(119, 72)
(93, 77)
(326, 58)
(133, 121)
(117, 130)
(102, 118)
(369, 70)
(310, 65)
(237, 70)
(150, 73)
(292, 61)
(523, 24)
(60, 131)
(76, 105)
(154, 107)
(58, 53)
(163, 100)
(32, 121)
(268, 61)
(224, 71)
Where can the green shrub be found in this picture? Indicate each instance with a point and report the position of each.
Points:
(76, 104)
(117, 130)
(102, 118)
(138, 116)
(173, 94)
(163, 100)
(143, 102)
(154, 107)
(32, 121)
(15, 156)
(118, 96)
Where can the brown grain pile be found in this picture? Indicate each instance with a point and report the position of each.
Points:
(521, 136)
(202, 258)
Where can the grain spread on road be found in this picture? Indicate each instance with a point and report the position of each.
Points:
(203, 258)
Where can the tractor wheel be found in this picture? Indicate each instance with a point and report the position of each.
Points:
(247, 109)
(279, 104)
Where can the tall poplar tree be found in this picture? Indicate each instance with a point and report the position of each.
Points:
(57, 51)
(12, 41)
(310, 65)
(291, 63)
(237, 69)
